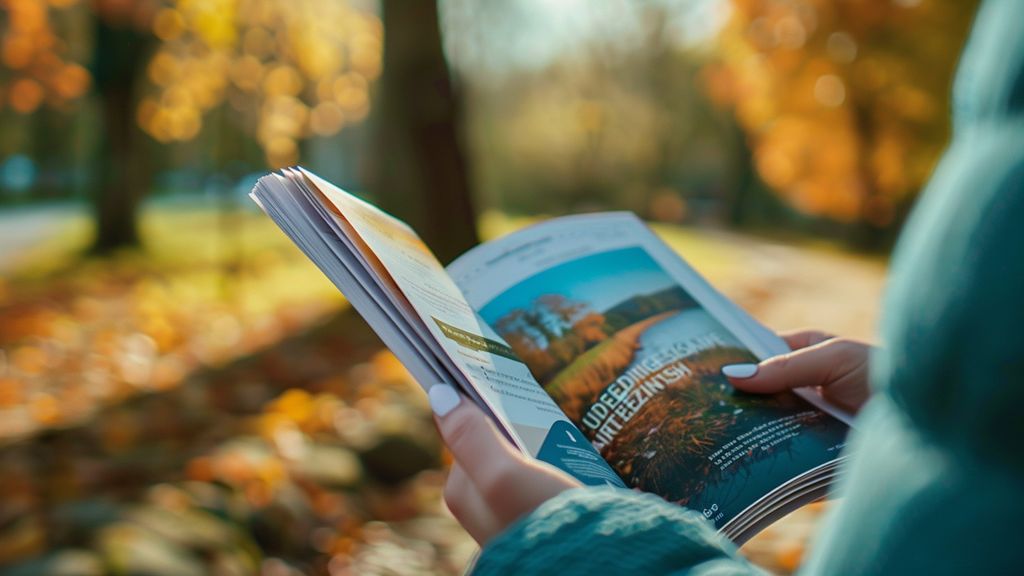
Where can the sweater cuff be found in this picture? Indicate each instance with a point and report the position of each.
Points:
(611, 530)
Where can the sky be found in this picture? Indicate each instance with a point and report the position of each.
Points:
(513, 35)
(601, 280)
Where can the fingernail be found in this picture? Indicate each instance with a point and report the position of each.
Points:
(739, 370)
(443, 399)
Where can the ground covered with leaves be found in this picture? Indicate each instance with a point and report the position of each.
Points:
(211, 406)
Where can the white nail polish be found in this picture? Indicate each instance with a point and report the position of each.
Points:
(739, 370)
(443, 399)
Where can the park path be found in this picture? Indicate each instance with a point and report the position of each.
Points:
(24, 228)
(790, 286)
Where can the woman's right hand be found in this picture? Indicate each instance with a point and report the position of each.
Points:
(836, 367)
(491, 484)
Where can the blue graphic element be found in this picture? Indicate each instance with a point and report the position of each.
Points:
(566, 448)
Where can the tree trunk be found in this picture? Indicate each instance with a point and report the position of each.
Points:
(419, 171)
(123, 172)
(864, 235)
(744, 177)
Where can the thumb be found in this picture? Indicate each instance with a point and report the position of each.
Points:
(817, 365)
(467, 431)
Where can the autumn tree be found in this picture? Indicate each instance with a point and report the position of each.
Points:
(562, 311)
(526, 342)
(420, 171)
(287, 71)
(123, 44)
(34, 76)
(552, 332)
(844, 104)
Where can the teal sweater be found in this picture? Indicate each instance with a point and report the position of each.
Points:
(935, 484)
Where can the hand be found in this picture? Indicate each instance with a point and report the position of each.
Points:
(491, 484)
(836, 367)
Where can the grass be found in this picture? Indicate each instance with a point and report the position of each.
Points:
(691, 416)
(204, 289)
(194, 253)
(57, 252)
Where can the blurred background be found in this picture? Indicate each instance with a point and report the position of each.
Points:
(182, 393)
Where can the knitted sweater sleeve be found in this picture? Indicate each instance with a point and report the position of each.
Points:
(591, 531)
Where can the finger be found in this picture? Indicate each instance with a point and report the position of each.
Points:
(797, 339)
(818, 365)
(508, 483)
(468, 507)
(520, 487)
(470, 435)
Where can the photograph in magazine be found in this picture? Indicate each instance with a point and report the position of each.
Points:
(635, 362)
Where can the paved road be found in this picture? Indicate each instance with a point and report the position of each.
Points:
(789, 287)
(22, 228)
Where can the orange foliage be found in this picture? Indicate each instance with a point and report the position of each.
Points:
(32, 53)
(844, 103)
(590, 329)
(291, 69)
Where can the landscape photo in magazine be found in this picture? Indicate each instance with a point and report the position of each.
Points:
(635, 362)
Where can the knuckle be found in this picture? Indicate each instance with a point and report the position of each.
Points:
(819, 336)
(500, 482)
(459, 429)
(852, 353)
(453, 498)
(781, 362)
(847, 346)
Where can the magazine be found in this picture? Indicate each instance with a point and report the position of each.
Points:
(592, 345)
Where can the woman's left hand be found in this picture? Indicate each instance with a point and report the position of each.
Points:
(491, 484)
(836, 367)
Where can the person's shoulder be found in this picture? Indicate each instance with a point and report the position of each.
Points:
(990, 77)
(911, 505)
(953, 317)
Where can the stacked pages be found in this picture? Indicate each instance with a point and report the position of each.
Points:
(592, 345)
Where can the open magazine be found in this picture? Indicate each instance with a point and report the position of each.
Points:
(592, 345)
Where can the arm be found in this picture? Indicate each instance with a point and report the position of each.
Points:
(590, 531)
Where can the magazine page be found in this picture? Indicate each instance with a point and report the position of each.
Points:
(629, 341)
(307, 225)
(485, 365)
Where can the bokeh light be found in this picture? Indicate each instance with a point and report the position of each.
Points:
(267, 58)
